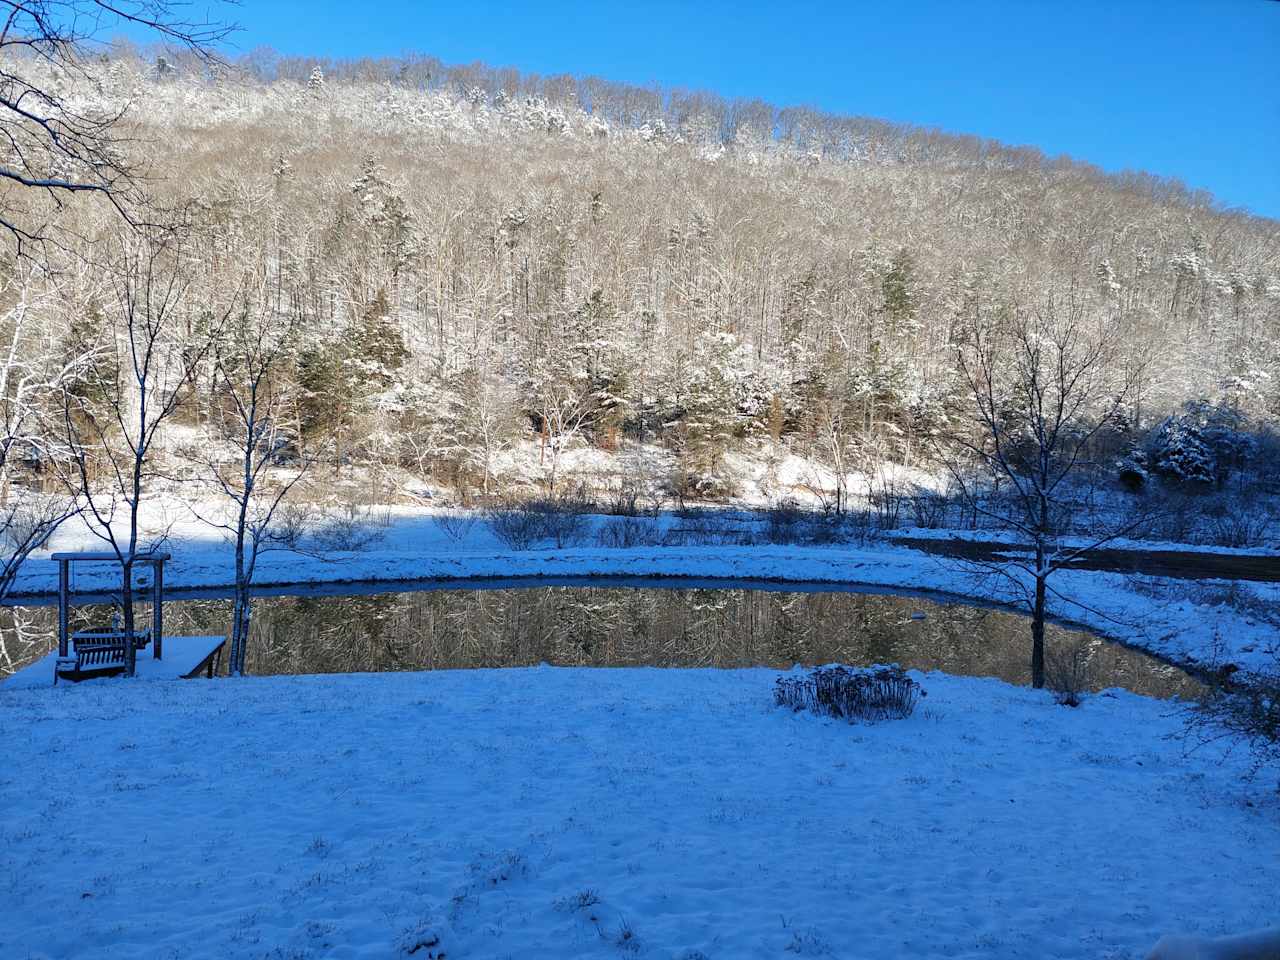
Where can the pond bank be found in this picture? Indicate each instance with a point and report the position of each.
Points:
(1177, 620)
(612, 621)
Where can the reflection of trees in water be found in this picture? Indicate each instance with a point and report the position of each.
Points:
(580, 626)
(23, 638)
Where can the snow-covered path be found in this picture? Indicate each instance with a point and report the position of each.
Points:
(604, 813)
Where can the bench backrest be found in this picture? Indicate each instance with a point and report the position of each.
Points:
(104, 648)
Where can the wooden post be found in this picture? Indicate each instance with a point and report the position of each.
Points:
(64, 590)
(157, 608)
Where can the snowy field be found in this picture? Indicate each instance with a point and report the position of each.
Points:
(1179, 619)
(611, 813)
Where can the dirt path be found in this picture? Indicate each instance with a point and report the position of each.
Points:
(1184, 564)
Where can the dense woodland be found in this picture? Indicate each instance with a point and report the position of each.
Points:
(450, 263)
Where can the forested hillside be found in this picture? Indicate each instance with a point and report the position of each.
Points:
(468, 266)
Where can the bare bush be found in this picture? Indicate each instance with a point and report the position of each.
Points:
(625, 501)
(703, 527)
(456, 526)
(1240, 709)
(828, 528)
(928, 509)
(1176, 521)
(1241, 527)
(785, 521)
(518, 527)
(1068, 673)
(627, 532)
(1239, 596)
(292, 522)
(876, 693)
(566, 522)
(521, 525)
(355, 527)
(886, 503)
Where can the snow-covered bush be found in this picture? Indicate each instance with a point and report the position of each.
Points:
(876, 693)
(1201, 446)
(1132, 474)
(1178, 453)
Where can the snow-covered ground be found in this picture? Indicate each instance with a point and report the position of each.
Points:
(1182, 620)
(567, 813)
(1117, 543)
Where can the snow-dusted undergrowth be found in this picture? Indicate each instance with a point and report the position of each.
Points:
(604, 813)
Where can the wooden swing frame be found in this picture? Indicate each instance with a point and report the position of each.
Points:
(96, 650)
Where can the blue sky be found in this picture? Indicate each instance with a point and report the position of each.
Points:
(1182, 88)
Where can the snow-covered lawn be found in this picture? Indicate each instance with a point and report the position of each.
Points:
(610, 813)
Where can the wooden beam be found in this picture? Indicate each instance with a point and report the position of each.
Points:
(157, 610)
(64, 599)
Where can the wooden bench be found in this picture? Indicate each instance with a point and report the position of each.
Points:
(97, 652)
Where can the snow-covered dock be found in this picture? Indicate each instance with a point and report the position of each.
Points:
(184, 657)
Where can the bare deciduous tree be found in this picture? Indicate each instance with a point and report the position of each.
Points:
(259, 414)
(1041, 386)
(31, 375)
(59, 144)
(160, 338)
(563, 411)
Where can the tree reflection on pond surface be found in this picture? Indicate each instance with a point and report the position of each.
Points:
(623, 626)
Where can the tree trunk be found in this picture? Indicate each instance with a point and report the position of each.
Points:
(126, 603)
(240, 617)
(1037, 631)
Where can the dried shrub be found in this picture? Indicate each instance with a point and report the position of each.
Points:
(1068, 674)
(785, 522)
(292, 521)
(1241, 527)
(355, 526)
(625, 501)
(709, 527)
(928, 509)
(1235, 594)
(521, 525)
(627, 532)
(828, 528)
(875, 693)
(1241, 708)
(566, 523)
(886, 501)
(456, 525)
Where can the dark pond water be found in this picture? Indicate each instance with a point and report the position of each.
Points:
(575, 625)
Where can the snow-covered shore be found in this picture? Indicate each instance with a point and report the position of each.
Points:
(603, 813)
(1179, 620)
